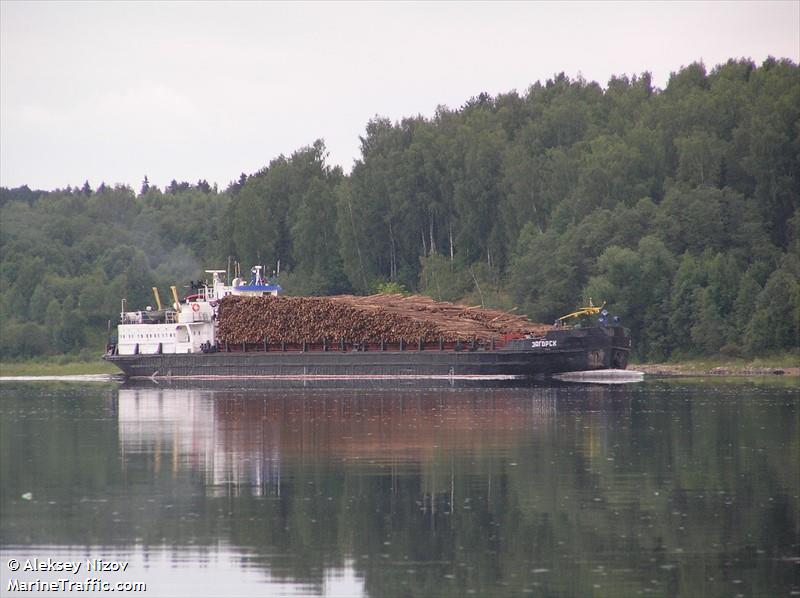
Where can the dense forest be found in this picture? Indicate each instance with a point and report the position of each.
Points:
(678, 207)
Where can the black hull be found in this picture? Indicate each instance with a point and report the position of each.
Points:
(565, 351)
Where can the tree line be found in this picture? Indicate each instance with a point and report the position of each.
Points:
(678, 207)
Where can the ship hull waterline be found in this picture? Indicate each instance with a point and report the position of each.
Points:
(584, 350)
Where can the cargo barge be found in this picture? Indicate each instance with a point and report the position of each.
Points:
(184, 342)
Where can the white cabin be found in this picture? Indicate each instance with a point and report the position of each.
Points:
(190, 325)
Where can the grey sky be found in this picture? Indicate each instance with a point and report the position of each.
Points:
(113, 91)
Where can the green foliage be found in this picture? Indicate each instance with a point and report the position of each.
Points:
(680, 207)
(24, 339)
(544, 276)
(710, 328)
(442, 279)
(635, 285)
(776, 318)
(700, 158)
(391, 288)
(287, 213)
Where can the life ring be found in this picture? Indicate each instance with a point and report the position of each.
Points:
(195, 307)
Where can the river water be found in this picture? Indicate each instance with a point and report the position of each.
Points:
(658, 488)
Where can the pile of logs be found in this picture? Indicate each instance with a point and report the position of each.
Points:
(371, 319)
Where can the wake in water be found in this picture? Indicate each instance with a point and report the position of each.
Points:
(602, 376)
(74, 378)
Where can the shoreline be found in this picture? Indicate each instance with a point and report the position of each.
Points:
(70, 368)
(782, 366)
(664, 370)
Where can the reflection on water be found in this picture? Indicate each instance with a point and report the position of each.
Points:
(238, 442)
(688, 489)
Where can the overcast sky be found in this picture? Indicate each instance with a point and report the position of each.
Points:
(113, 91)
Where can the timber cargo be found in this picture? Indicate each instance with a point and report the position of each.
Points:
(247, 330)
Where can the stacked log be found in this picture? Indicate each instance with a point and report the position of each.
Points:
(372, 319)
(312, 319)
(448, 315)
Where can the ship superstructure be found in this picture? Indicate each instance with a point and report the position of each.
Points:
(188, 326)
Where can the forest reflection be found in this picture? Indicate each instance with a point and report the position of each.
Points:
(556, 490)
